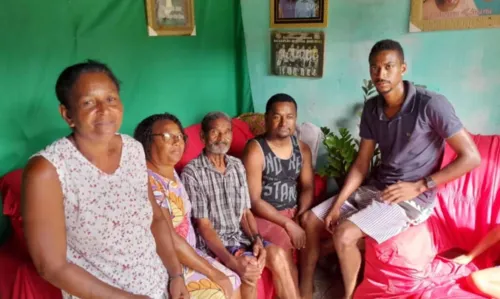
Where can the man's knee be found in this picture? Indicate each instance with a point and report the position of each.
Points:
(347, 234)
(276, 257)
(310, 222)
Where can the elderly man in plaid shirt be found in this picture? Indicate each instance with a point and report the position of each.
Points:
(217, 187)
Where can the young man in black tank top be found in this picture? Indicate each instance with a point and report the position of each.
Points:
(280, 177)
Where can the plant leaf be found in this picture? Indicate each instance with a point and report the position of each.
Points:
(337, 164)
(335, 174)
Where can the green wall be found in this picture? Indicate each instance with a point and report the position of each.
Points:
(188, 76)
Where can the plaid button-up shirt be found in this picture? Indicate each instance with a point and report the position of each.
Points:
(220, 197)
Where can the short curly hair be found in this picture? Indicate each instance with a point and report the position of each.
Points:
(387, 45)
(70, 75)
(144, 130)
(279, 98)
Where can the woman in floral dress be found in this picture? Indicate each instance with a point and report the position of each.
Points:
(163, 139)
(92, 225)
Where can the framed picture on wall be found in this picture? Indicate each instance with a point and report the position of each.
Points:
(170, 17)
(297, 54)
(299, 13)
(433, 15)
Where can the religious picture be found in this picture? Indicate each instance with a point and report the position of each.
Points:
(297, 54)
(170, 17)
(431, 15)
(299, 13)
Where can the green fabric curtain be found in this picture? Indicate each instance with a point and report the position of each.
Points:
(243, 87)
(187, 76)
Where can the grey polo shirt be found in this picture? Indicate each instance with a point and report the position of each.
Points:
(412, 142)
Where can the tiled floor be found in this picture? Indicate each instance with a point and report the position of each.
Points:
(328, 282)
(327, 286)
(328, 279)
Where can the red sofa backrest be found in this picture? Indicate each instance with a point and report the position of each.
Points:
(194, 146)
(10, 189)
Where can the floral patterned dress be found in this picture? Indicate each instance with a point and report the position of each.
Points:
(172, 195)
(108, 218)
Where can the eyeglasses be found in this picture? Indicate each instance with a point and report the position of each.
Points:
(172, 138)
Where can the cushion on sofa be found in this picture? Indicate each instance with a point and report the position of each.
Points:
(193, 148)
(10, 188)
(255, 121)
(241, 135)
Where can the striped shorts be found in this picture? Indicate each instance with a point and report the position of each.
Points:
(375, 218)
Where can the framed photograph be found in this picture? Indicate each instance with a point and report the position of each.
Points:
(297, 54)
(170, 17)
(299, 13)
(433, 15)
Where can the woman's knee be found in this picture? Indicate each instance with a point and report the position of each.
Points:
(237, 293)
(248, 290)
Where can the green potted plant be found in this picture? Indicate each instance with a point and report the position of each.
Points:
(342, 149)
(369, 89)
(341, 153)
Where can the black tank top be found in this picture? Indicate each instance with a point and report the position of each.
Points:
(279, 177)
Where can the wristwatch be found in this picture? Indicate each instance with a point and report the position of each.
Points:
(429, 182)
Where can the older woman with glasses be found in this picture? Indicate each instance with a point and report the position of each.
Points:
(163, 139)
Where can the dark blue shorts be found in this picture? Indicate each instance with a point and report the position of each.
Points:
(244, 250)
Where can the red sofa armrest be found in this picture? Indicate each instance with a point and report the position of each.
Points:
(320, 187)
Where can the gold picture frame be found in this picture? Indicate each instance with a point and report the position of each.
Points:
(170, 17)
(434, 15)
(298, 13)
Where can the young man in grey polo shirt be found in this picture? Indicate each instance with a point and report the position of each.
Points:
(411, 126)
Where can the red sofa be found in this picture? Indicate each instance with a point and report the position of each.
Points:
(414, 264)
(18, 277)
